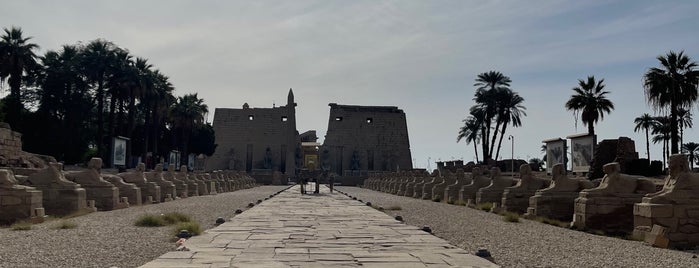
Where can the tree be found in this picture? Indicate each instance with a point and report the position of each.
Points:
(671, 87)
(684, 118)
(510, 110)
(470, 132)
(590, 101)
(536, 164)
(691, 149)
(16, 58)
(97, 57)
(187, 113)
(661, 130)
(645, 122)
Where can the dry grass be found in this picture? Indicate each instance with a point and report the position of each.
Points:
(192, 227)
(65, 225)
(553, 222)
(394, 208)
(21, 226)
(485, 206)
(510, 216)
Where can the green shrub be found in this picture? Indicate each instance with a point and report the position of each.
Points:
(65, 225)
(553, 222)
(175, 217)
(150, 220)
(510, 216)
(21, 226)
(484, 206)
(192, 227)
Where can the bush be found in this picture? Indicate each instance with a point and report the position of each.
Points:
(437, 198)
(485, 206)
(175, 217)
(150, 220)
(460, 203)
(21, 226)
(394, 208)
(450, 201)
(192, 227)
(65, 225)
(510, 216)
(553, 222)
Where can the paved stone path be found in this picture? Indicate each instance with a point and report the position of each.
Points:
(326, 230)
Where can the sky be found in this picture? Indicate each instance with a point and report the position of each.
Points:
(421, 56)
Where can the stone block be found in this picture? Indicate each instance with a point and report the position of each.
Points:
(653, 210)
(657, 237)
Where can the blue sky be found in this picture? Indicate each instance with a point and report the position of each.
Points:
(421, 56)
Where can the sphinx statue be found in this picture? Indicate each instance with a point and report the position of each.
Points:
(558, 200)
(516, 198)
(493, 192)
(23, 202)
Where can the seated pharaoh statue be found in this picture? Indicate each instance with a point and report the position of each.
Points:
(615, 183)
(680, 187)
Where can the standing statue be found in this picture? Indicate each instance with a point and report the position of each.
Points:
(355, 162)
(268, 159)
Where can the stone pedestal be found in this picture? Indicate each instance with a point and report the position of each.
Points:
(59, 195)
(18, 202)
(192, 186)
(552, 205)
(128, 190)
(608, 213)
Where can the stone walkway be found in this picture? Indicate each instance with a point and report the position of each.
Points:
(326, 230)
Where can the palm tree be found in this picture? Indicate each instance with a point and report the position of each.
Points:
(187, 113)
(684, 117)
(671, 87)
(536, 164)
(510, 110)
(97, 58)
(489, 93)
(661, 130)
(470, 132)
(590, 101)
(645, 122)
(16, 58)
(691, 149)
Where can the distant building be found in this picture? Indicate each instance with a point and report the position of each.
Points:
(371, 138)
(262, 140)
(255, 138)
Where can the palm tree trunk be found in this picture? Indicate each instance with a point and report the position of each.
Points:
(674, 137)
(647, 146)
(14, 114)
(502, 135)
(591, 128)
(495, 136)
(484, 144)
(146, 134)
(100, 118)
(475, 148)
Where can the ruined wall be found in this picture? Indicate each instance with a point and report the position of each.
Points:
(366, 138)
(10, 146)
(243, 136)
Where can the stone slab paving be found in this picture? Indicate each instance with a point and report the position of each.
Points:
(326, 230)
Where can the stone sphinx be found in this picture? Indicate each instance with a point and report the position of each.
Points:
(105, 194)
(183, 175)
(18, 202)
(150, 191)
(59, 195)
(493, 192)
(438, 190)
(427, 187)
(451, 192)
(478, 181)
(413, 180)
(516, 198)
(181, 187)
(129, 191)
(609, 207)
(558, 200)
(168, 191)
(675, 207)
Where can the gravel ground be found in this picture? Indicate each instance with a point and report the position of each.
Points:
(526, 243)
(106, 239)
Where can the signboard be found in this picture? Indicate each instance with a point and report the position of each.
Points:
(119, 151)
(555, 152)
(174, 158)
(582, 151)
